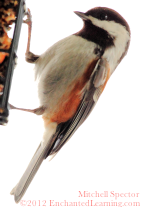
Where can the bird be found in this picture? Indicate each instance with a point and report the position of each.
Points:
(71, 76)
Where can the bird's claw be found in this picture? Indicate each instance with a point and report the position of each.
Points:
(29, 17)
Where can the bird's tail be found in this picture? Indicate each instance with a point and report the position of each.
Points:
(41, 153)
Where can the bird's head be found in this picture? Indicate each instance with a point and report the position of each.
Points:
(103, 25)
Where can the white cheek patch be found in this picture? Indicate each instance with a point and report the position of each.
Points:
(111, 27)
(121, 38)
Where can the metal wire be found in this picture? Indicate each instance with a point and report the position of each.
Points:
(4, 110)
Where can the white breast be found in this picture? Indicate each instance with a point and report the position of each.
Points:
(60, 65)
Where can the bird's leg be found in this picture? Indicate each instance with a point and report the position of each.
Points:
(29, 56)
(37, 111)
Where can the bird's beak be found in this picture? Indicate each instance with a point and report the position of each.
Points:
(81, 15)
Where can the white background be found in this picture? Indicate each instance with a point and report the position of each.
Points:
(104, 154)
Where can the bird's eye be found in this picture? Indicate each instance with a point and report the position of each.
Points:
(103, 17)
(106, 17)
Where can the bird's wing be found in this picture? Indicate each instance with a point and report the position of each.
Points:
(95, 86)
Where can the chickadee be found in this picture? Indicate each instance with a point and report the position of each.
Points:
(71, 76)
